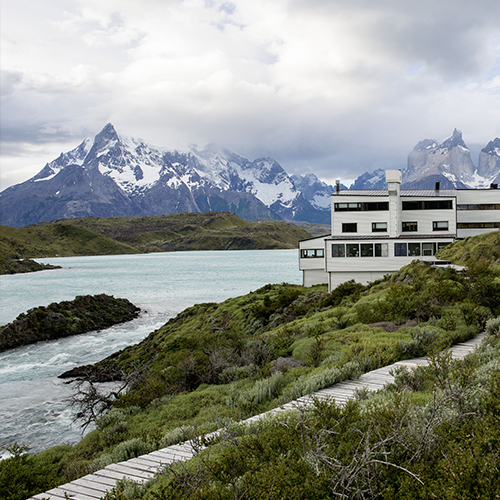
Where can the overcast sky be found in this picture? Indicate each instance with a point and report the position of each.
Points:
(333, 87)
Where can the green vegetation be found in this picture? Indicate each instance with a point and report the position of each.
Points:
(217, 363)
(484, 249)
(125, 235)
(434, 433)
(66, 318)
(13, 266)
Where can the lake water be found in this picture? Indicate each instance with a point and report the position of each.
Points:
(33, 401)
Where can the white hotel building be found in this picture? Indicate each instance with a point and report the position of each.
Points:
(377, 232)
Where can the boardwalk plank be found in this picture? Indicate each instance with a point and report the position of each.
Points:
(142, 468)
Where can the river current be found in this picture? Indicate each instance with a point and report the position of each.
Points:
(33, 402)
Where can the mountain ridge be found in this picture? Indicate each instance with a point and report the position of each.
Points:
(448, 163)
(115, 175)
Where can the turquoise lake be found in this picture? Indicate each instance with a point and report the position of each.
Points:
(33, 401)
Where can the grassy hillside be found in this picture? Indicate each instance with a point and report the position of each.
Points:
(215, 362)
(61, 238)
(165, 233)
(479, 249)
(194, 231)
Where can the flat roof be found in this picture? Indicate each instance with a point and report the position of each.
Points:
(401, 237)
(450, 193)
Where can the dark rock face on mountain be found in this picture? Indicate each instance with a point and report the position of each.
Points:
(370, 180)
(113, 175)
(448, 163)
(489, 161)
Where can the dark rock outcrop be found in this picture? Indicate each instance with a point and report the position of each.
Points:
(84, 314)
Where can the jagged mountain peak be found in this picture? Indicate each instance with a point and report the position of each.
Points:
(115, 175)
(493, 147)
(425, 145)
(454, 141)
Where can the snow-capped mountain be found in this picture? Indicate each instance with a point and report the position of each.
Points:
(371, 180)
(489, 163)
(114, 175)
(448, 163)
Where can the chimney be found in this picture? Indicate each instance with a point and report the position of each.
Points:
(393, 178)
(337, 185)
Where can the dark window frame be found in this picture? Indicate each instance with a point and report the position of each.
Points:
(435, 225)
(372, 206)
(400, 250)
(377, 230)
(337, 254)
(407, 228)
(316, 253)
(427, 205)
(349, 227)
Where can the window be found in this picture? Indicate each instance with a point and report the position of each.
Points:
(338, 250)
(413, 249)
(366, 250)
(400, 249)
(428, 248)
(376, 206)
(478, 225)
(312, 253)
(347, 207)
(487, 206)
(365, 207)
(409, 227)
(352, 250)
(442, 245)
(381, 249)
(379, 227)
(440, 225)
(428, 205)
(351, 227)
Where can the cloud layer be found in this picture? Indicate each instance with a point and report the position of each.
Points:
(323, 86)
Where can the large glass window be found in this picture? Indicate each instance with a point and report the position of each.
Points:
(478, 225)
(347, 207)
(379, 227)
(428, 205)
(352, 250)
(356, 207)
(440, 225)
(428, 249)
(409, 227)
(312, 253)
(482, 206)
(366, 249)
(400, 249)
(351, 227)
(376, 206)
(338, 250)
(381, 249)
(413, 249)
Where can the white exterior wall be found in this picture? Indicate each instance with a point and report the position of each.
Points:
(425, 218)
(473, 197)
(362, 219)
(313, 268)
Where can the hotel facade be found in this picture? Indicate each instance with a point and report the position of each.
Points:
(374, 233)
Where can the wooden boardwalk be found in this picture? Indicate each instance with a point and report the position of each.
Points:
(94, 486)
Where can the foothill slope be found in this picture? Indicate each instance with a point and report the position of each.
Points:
(216, 363)
(126, 235)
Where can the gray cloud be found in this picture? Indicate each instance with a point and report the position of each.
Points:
(323, 86)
